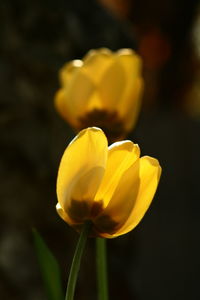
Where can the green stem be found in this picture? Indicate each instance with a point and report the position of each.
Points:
(101, 257)
(76, 262)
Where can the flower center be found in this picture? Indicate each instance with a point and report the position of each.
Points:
(82, 211)
(109, 122)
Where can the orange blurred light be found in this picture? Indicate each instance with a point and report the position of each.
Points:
(154, 48)
(120, 8)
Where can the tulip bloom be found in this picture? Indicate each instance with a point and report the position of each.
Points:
(104, 90)
(110, 186)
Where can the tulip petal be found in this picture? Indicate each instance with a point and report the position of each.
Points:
(67, 71)
(121, 156)
(130, 104)
(79, 93)
(150, 172)
(63, 215)
(71, 100)
(60, 102)
(64, 107)
(112, 85)
(130, 61)
(82, 167)
(122, 201)
(96, 62)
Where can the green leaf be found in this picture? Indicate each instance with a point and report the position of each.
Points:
(49, 268)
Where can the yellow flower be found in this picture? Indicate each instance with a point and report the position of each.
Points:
(104, 89)
(110, 186)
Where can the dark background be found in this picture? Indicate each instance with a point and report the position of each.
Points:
(160, 258)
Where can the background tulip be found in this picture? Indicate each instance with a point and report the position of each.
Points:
(104, 89)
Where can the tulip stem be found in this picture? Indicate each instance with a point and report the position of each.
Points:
(101, 261)
(75, 266)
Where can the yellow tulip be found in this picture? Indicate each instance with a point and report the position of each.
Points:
(104, 89)
(110, 186)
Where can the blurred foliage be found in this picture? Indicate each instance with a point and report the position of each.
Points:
(49, 268)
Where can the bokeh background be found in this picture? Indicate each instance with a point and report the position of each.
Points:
(160, 258)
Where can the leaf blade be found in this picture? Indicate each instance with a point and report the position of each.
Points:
(49, 268)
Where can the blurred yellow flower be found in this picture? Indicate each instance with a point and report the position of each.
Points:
(110, 186)
(104, 89)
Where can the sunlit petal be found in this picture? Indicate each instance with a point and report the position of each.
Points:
(82, 167)
(121, 156)
(122, 201)
(149, 174)
(130, 104)
(68, 70)
(65, 107)
(96, 62)
(79, 92)
(112, 85)
(60, 102)
(63, 214)
(130, 61)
